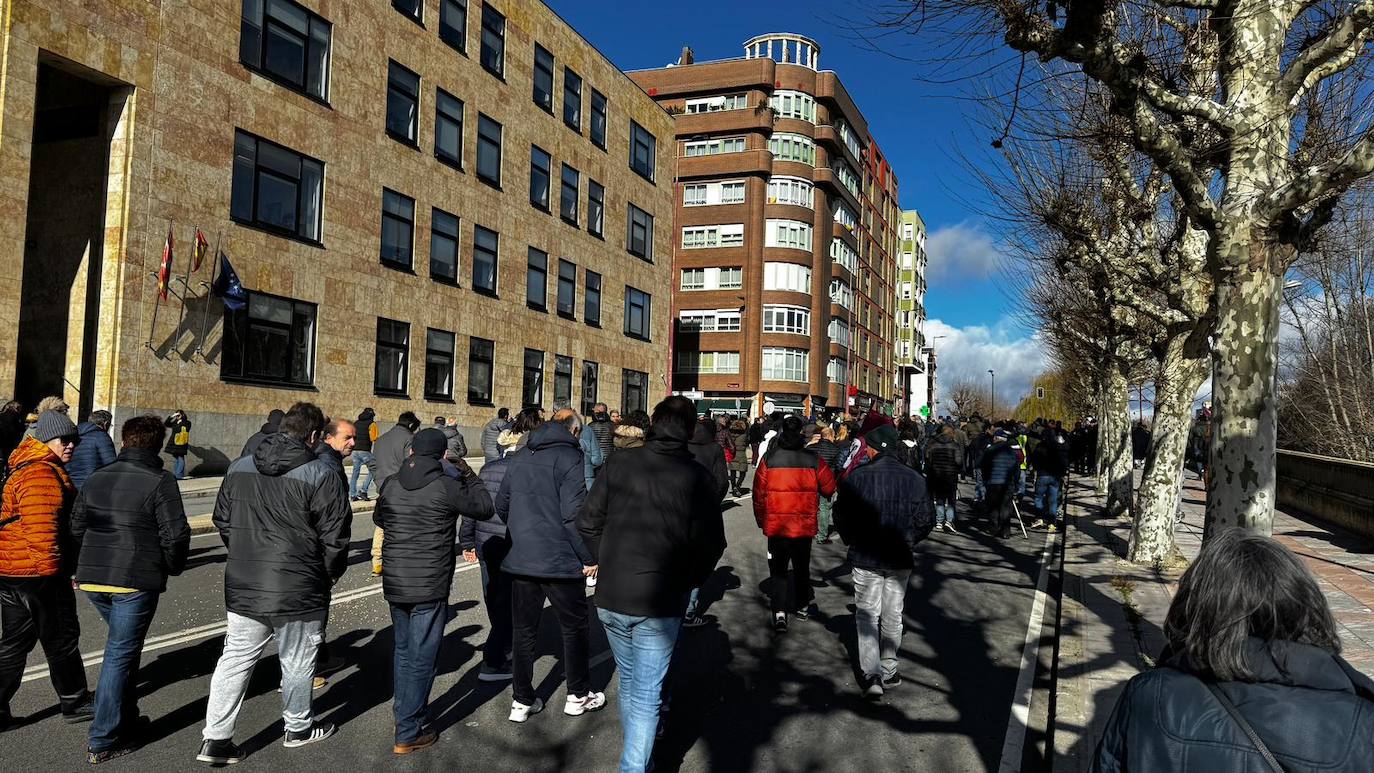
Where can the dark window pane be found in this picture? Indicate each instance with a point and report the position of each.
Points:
(639, 233)
(275, 187)
(637, 313)
(285, 53)
(493, 41)
(596, 207)
(448, 127)
(485, 246)
(277, 198)
(398, 228)
(572, 99)
(488, 150)
(598, 127)
(591, 304)
(642, 145)
(411, 8)
(443, 246)
(438, 364)
(532, 392)
(453, 23)
(537, 280)
(634, 391)
(539, 177)
(393, 354)
(567, 202)
(562, 381)
(245, 164)
(402, 103)
(590, 376)
(543, 77)
(481, 354)
(567, 288)
(271, 340)
(288, 43)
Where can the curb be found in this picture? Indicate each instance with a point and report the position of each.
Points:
(202, 524)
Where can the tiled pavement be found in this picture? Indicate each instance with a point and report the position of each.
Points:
(1112, 612)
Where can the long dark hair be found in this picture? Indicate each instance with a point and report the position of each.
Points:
(1244, 585)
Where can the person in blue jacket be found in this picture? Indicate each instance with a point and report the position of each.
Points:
(94, 448)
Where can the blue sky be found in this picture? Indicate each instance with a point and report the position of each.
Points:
(923, 127)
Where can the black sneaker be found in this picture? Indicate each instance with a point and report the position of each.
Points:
(892, 681)
(220, 752)
(317, 732)
(873, 688)
(83, 713)
(500, 673)
(805, 612)
(105, 755)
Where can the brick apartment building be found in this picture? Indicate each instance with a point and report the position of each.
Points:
(444, 206)
(785, 234)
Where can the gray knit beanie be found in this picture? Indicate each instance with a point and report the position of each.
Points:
(52, 425)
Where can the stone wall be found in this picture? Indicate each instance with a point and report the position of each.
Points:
(1338, 491)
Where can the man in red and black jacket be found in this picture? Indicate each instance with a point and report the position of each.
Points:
(788, 484)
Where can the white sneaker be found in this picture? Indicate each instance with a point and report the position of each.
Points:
(519, 712)
(577, 706)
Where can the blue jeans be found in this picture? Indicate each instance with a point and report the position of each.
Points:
(980, 489)
(692, 601)
(418, 629)
(128, 616)
(1047, 495)
(643, 649)
(179, 467)
(1020, 482)
(362, 459)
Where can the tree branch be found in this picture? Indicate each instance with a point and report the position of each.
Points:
(1333, 52)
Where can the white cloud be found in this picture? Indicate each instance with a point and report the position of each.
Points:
(1015, 355)
(962, 250)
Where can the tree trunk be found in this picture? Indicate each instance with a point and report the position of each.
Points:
(1182, 371)
(1116, 434)
(1240, 492)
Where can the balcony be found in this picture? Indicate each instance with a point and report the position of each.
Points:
(831, 136)
(825, 176)
(723, 164)
(725, 121)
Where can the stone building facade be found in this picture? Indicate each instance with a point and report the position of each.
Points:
(433, 205)
(783, 251)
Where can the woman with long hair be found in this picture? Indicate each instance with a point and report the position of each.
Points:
(1251, 678)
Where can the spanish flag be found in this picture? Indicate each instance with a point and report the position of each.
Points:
(164, 273)
(202, 247)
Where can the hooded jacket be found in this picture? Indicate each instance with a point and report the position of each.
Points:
(883, 510)
(652, 527)
(707, 451)
(1051, 456)
(999, 463)
(35, 540)
(788, 484)
(1310, 708)
(270, 427)
(539, 499)
(129, 524)
(390, 450)
(364, 428)
(179, 439)
(418, 509)
(95, 450)
(739, 442)
(490, 432)
(285, 519)
(457, 446)
(944, 457)
(474, 533)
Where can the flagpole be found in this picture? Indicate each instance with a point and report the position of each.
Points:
(157, 304)
(186, 287)
(205, 315)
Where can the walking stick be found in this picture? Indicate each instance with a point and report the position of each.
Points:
(1017, 510)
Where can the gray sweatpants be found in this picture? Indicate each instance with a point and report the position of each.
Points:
(298, 639)
(879, 597)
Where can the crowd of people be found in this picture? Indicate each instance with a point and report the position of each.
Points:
(622, 515)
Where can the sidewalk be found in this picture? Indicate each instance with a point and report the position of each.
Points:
(1112, 612)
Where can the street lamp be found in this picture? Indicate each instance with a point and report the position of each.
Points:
(992, 377)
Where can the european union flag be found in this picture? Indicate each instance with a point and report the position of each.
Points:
(228, 287)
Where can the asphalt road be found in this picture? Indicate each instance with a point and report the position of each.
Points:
(744, 698)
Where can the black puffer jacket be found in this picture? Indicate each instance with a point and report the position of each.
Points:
(944, 457)
(418, 510)
(130, 525)
(882, 511)
(543, 492)
(653, 527)
(710, 455)
(1313, 710)
(285, 518)
(473, 532)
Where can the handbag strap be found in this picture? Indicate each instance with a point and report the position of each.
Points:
(1245, 727)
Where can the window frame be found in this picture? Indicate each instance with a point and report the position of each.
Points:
(452, 355)
(458, 41)
(400, 218)
(568, 203)
(495, 25)
(638, 299)
(481, 250)
(541, 268)
(402, 90)
(642, 380)
(630, 227)
(562, 377)
(482, 351)
(254, 184)
(596, 216)
(538, 154)
(241, 322)
(643, 138)
(416, 13)
(253, 34)
(483, 122)
(542, 68)
(535, 385)
(436, 216)
(786, 319)
(567, 278)
(572, 99)
(591, 289)
(403, 348)
(590, 386)
(443, 116)
(600, 108)
(787, 370)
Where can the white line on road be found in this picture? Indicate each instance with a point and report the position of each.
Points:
(1015, 741)
(189, 635)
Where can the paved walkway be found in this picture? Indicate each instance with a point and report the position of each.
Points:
(1112, 612)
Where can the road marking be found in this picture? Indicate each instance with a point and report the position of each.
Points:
(1015, 741)
(189, 635)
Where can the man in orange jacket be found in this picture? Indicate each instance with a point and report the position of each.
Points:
(36, 599)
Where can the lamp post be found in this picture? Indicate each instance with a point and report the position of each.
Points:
(992, 377)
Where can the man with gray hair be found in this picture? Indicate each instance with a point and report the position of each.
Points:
(94, 448)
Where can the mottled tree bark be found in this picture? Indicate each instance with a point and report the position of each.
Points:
(1115, 433)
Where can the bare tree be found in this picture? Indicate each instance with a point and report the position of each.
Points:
(968, 398)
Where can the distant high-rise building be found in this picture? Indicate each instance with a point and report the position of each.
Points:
(785, 235)
(913, 353)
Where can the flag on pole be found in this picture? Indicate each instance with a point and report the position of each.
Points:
(164, 273)
(227, 286)
(202, 246)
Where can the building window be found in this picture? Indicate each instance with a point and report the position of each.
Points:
(788, 233)
(841, 294)
(792, 147)
(543, 77)
(411, 9)
(906, 291)
(591, 301)
(438, 365)
(567, 200)
(488, 150)
(790, 190)
(275, 188)
(637, 309)
(639, 233)
(786, 319)
(493, 53)
(846, 175)
(590, 374)
(847, 135)
(783, 364)
(567, 289)
(713, 147)
(269, 339)
(443, 246)
(532, 391)
(842, 254)
(598, 127)
(448, 128)
(717, 104)
(710, 321)
(706, 236)
(596, 208)
(539, 177)
(712, 278)
(402, 103)
(834, 370)
(634, 392)
(572, 99)
(562, 381)
(642, 149)
(481, 354)
(838, 332)
(787, 276)
(708, 362)
(453, 23)
(845, 216)
(393, 357)
(287, 43)
(485, 248)
(537, 280)
(794, 104)
(706, 194)
(398, 229)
